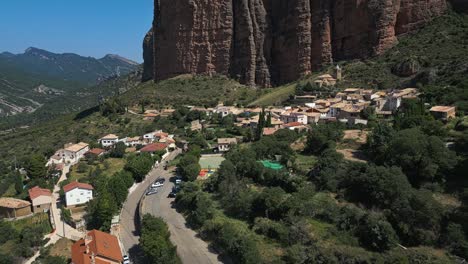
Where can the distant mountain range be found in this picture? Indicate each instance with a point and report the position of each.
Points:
(37, 77)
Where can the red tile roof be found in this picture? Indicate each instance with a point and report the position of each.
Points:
(293, 124)
(96, 151)
(36, 191)
(97, 244)
(268, 131)
(154, 147)
(75, 184)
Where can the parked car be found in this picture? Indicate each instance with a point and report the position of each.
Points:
(172, 194)
(152, 191)
(158, 183)
(178, 180)
(126, 260)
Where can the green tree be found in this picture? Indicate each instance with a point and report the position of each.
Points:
(118, 150)
(118, 189)
(375, 233)
(101, 210)
(422, 158)
(322, 136)
(139, 166)
(155, 242)
(35, 166)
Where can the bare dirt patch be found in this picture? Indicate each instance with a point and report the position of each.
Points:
(353, 155)
(360, 136)
(62, 248)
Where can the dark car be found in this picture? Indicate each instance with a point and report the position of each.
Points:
(161, 180)
(172, 194)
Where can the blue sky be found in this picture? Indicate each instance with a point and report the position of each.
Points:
(86, 27)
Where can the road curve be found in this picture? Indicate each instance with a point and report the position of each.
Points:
(129, 217)
(190, 248)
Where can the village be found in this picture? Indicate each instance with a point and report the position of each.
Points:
(73, 190)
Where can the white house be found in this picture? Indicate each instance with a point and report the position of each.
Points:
(223, 110)
(109, 140)
(71, 153)
(77, 193)
(132, 141)
(224, 144)
(294, 117)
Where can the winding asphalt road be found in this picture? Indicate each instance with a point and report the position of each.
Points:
(190, 248)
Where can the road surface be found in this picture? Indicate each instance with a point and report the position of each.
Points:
(190, 248)
(129, 217)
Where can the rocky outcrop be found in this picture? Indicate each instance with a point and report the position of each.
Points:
(269, 42)
(148, 57)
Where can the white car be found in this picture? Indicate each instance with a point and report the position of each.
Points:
(157, 184)
(126, 260)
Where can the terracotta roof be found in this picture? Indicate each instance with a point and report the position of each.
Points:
(161, 134)
(154, 147)
(268, 131)
(96, 151)
(227, 141)
(74, 185)
(13, 203)
(151, 115)
(293, 124)
(110, 136)
(99, 245)
(440, 108)
(76, 147)
(37, 191)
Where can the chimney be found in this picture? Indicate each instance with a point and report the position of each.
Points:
(88, 239)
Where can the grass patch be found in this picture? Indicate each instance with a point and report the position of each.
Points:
(41, 219)
(275, 96)
(304, 163)
(62, 248)
(109, 167)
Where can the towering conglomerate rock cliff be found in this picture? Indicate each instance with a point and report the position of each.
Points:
(269, 42)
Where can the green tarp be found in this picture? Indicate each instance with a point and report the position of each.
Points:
(272, 165)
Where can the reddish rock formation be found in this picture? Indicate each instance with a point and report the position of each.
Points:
(269, 42)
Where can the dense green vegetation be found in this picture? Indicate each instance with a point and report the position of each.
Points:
(20, 239)
(385, 211)
(155, 243)
(191, 90)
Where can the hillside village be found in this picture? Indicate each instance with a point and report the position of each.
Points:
(353, 108)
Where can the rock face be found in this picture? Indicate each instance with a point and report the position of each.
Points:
(269, 42)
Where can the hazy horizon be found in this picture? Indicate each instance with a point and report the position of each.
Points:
(87, 28)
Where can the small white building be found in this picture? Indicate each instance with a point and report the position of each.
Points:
(224, 144)
(223, 110)
(132, 141)
(71, 153)
(77, 193)
(109, 140)
(291, 117)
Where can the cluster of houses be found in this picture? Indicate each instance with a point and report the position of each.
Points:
(40, 200)
(157, 141)
(346, 106)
